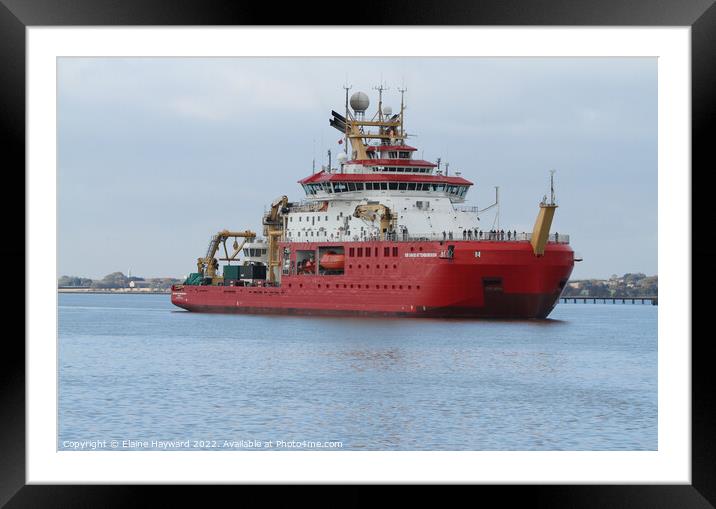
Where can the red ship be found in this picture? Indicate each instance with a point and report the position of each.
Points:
(382, 233)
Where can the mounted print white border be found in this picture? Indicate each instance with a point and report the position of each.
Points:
(671, 463)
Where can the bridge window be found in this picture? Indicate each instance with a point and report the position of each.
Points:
(369, 186)
(402, 186)
(393, 185)
(404, 155)
(359, 186)
(411, 186)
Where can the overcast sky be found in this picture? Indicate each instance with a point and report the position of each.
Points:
(156, 154)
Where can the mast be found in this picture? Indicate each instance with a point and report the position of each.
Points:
(346, 87)
(402, 110)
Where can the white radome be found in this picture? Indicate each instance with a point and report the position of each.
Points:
(387, 110)
(360, 102)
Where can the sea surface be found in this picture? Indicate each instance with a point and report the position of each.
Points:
(137, 373)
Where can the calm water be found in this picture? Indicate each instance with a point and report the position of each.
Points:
(135, 368)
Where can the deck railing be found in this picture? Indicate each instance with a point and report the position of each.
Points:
(557, 238)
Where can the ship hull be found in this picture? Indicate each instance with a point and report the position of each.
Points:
(473, 279)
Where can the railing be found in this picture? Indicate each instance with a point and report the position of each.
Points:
(557, 238)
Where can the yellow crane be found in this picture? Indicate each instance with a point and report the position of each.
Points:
(208, 265)
(372, 211)
(273, 231)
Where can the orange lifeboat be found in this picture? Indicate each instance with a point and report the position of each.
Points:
(332, 261)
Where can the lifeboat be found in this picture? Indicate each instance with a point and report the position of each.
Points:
(332, 261)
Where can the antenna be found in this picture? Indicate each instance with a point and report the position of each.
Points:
(438, 161)
(551, 186)
(346, 87)
(380, 89)
(402, 110)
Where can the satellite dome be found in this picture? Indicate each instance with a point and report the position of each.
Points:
(360, 102)
(387, 110)
(342, 158)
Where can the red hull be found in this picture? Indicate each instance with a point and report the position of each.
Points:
(482, 280)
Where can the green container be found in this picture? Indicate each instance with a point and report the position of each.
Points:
(231, 272)
(194, 279)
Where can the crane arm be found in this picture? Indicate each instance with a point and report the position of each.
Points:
(207, 265)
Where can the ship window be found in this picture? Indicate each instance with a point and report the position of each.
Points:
(411, 186)
(369, 186)
(383, 186)
(360, 251)
(386, 252)
(400, 170)
(393, 185)
(351, 251)
(300, 218)
(402, 186)
(359, 186)
(376, 252)
(351, 186)
(395, 251)
(367, 252)
(319, 218)
(392, 155)
(404, 155)
(299, 234)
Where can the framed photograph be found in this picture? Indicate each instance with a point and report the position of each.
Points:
(398, 286)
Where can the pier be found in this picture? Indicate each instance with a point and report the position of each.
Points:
(654, 300)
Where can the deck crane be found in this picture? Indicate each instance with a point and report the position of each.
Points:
(273, 231)
(208, 265)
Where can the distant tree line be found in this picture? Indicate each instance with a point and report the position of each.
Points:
(628, 285)
(117, 280)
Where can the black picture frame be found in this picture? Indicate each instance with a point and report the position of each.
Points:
(17, 15)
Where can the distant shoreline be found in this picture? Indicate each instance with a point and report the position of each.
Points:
(123, 291)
